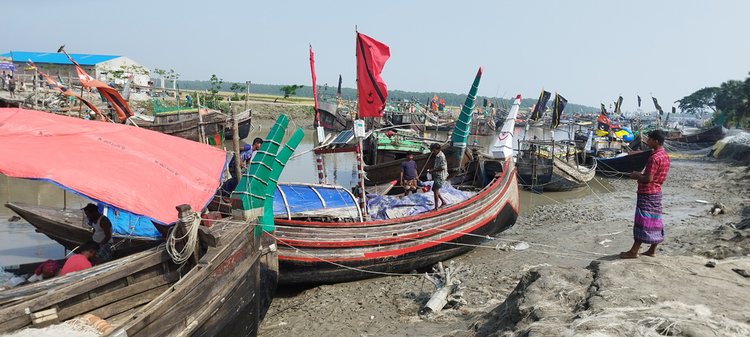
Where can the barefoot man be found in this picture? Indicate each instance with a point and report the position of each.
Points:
(439, 174)
(647, 225)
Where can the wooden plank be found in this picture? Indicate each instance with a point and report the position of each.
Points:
(116, 295)
(129, 302)
(209, 236)
(84, 285)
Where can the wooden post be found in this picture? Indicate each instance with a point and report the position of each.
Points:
(361, 174)
(181, 229)
(236, 144)
(247, 93)
(80, 106)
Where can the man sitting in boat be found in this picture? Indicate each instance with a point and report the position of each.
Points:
(409, 174)
(246, 154)
(439, 174)
(102, 232)
(81, 260)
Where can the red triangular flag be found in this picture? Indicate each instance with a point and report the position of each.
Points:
(371, 57)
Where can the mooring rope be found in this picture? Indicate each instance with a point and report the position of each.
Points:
(190, 238)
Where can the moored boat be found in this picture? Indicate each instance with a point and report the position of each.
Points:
(329, 252)
(708, 136)
(623, 164)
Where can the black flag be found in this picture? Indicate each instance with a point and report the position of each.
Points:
(603, 110)
(338, 91)
(674, 110)
(557, 111)
(618, 106)
(639, 101)
(657, 106)
(540, 106)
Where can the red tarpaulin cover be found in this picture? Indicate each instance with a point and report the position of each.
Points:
(141, 171)
(372, 91)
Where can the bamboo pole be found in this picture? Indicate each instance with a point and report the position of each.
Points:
(236, 144)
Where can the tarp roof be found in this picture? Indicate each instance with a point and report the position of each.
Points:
(141, 171)
(58, 58)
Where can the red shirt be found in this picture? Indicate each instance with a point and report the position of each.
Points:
(75, 263)
(657, 166)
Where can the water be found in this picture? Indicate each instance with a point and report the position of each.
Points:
(19, 243)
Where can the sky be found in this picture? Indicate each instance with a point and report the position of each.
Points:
(589, 51)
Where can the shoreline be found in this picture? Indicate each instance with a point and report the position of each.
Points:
(573, 242)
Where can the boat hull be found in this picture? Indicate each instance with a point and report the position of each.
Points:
(624, 165)
(708, 137)
(145, 294)
(311, 252)
(67, 228)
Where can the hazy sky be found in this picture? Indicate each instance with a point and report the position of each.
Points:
(589, 51)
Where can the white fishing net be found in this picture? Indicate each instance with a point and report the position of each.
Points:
(70, 328)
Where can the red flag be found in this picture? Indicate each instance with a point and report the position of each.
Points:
(314, 86)
(371, 57)
(66, 91)
(110, 94)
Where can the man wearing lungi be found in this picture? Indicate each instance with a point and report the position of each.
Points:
(647, 225)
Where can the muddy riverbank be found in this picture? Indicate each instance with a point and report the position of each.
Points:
(562, 275)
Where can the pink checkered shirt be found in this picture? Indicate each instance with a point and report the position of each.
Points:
(657, 166)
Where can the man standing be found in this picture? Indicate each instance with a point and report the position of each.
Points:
(439, 174)
(409, 174)
(12, 86)
(246, 154)
(102, 232)
(647, 225)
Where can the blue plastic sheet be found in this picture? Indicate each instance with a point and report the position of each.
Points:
(382, 207)
(305, 198)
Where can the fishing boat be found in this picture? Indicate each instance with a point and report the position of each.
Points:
(547, 164)
(623, 164)
(553, 166)
(330, 118)
(708, 136)
(204, 281)
(244, 125)
(201, 125)
(319, 251)
(68, 227)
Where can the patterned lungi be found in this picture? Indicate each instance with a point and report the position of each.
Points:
(647, 225)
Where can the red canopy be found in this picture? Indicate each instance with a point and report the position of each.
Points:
(141, 171)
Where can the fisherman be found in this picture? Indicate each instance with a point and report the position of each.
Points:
(246, 154)
(102, 232)
(647, 225)
(409, 174)
(82, 259)
(439, 174)
(12, 86)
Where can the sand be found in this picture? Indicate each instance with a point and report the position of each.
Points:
(568, 281)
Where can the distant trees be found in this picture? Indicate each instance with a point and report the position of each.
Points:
(237, 88)
(290, 90)
(730, 102)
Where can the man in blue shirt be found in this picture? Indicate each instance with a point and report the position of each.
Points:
(409, 174)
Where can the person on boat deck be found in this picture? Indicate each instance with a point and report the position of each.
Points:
(81, 260)
(102, 232)
(409, 174)
(647, 224)
(246, 154)
(48, 269)
(439, 174)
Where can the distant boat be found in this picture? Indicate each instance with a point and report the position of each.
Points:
(553, 166)
(707, 136)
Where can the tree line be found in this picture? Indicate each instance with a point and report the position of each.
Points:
(729, 103)
(451, 99)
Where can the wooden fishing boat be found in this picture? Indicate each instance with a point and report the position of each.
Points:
(328, 252)
(623, 164)
(186, 124)
(330, 119)
(220, 291)
(244, 125)
(68, 228)
(387, 171)
(553, 166)
(334, 251)
(707, 136)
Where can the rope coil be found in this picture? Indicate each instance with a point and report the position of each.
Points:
(192, 222)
